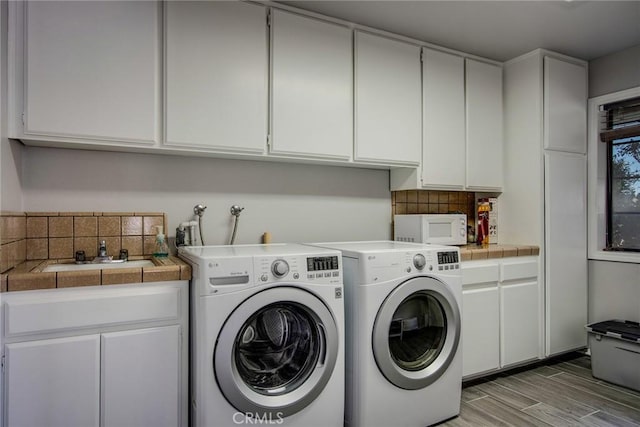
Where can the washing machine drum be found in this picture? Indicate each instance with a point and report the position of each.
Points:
(276, 352)
(416, 333)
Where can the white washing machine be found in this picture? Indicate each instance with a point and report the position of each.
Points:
(403, 352)
(267, 343)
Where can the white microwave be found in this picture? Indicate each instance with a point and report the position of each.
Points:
(441, 229)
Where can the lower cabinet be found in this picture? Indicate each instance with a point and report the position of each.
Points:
(114, 365)
(501, 320)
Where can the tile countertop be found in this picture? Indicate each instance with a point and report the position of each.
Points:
(474, 252)
(29, 274)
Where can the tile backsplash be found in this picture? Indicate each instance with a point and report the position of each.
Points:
(434, 202)
(58, 235)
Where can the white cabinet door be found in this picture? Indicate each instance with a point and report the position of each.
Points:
(312, 87)
(484, 125)
(53, 382)
(388, 104)
(519, 322)
(480, 330)
(566, 251)
(141, 377)
(443, 145)
(92, 70)
(565, 106)
(216, 75)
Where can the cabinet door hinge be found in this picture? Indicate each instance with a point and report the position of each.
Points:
(269, 18)
(2, 364)
(421, 55)
(269, 141)
(23, 118)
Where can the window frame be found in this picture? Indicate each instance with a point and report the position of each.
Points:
(597, 215)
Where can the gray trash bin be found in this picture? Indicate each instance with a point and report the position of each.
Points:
(615, 352)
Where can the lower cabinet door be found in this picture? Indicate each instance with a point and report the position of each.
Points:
(520, 322)
(141, 377)
(53, 382)
(480, 330)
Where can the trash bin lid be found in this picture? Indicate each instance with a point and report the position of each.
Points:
(624, 329)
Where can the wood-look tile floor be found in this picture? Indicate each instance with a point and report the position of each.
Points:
(557, 393)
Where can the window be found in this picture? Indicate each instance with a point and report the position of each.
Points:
(620, 130)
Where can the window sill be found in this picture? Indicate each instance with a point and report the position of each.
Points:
(629, 257)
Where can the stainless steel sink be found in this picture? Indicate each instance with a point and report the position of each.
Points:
(98, 266)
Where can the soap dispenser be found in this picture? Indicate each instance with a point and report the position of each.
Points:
(161, 249)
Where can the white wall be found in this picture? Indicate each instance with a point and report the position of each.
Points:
(615, 72)
(10, 151)
(614, 287)
(296, 203)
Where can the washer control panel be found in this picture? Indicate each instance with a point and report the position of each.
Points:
(313, 269)
(379, 267)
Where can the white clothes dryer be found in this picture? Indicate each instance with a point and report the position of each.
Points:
(267, 342)
(403, 352)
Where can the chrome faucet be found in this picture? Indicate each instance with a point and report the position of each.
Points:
(102, 250)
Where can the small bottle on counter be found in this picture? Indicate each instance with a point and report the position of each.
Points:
(161, 249)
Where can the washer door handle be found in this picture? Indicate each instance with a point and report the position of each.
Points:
(323, 348)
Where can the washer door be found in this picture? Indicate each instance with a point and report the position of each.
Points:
(416, 332)
(276, 352)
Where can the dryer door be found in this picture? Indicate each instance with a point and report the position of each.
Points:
(416, 332)
(276, 352)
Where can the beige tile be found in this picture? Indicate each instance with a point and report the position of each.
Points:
(149, 245)
(3, 283)
(479, 254)
(31, 281)
(453, 196)
(37, 226)
(75, 214)
(423, 196)
(432, 208)
(4, 258)
(61, 226)
(401, 197)
(401, 208)
(412, 208)
(142, 213)
(509, 251)
(412, 196)
(109, 226)
(87, 244)
(114, 244)
(161, 274)
(149, 224)
(60, 248)
(117, 214)
(433, 196)
(116, 276)
(524, 250)
(132, 226)
(21, 251)
(42, 213)
(443, 197)
(132, 244)
(185, 272)
(68, 279)
(12, 228)
(393, 197)
(85, 226)
(495, 252)
(423, 208)
(535, 250)
(465, 255)
(37, 249)
(443, 208)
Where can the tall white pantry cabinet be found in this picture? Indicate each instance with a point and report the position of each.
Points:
(545, 186)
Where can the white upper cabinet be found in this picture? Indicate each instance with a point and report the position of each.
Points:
(91, 71)
(388, 101)
(216, 75)
(565, 101)
(484, 125)
(312, 88)
(443, 144)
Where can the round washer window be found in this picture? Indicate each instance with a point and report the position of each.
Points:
(417, 331)
(277, 348)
